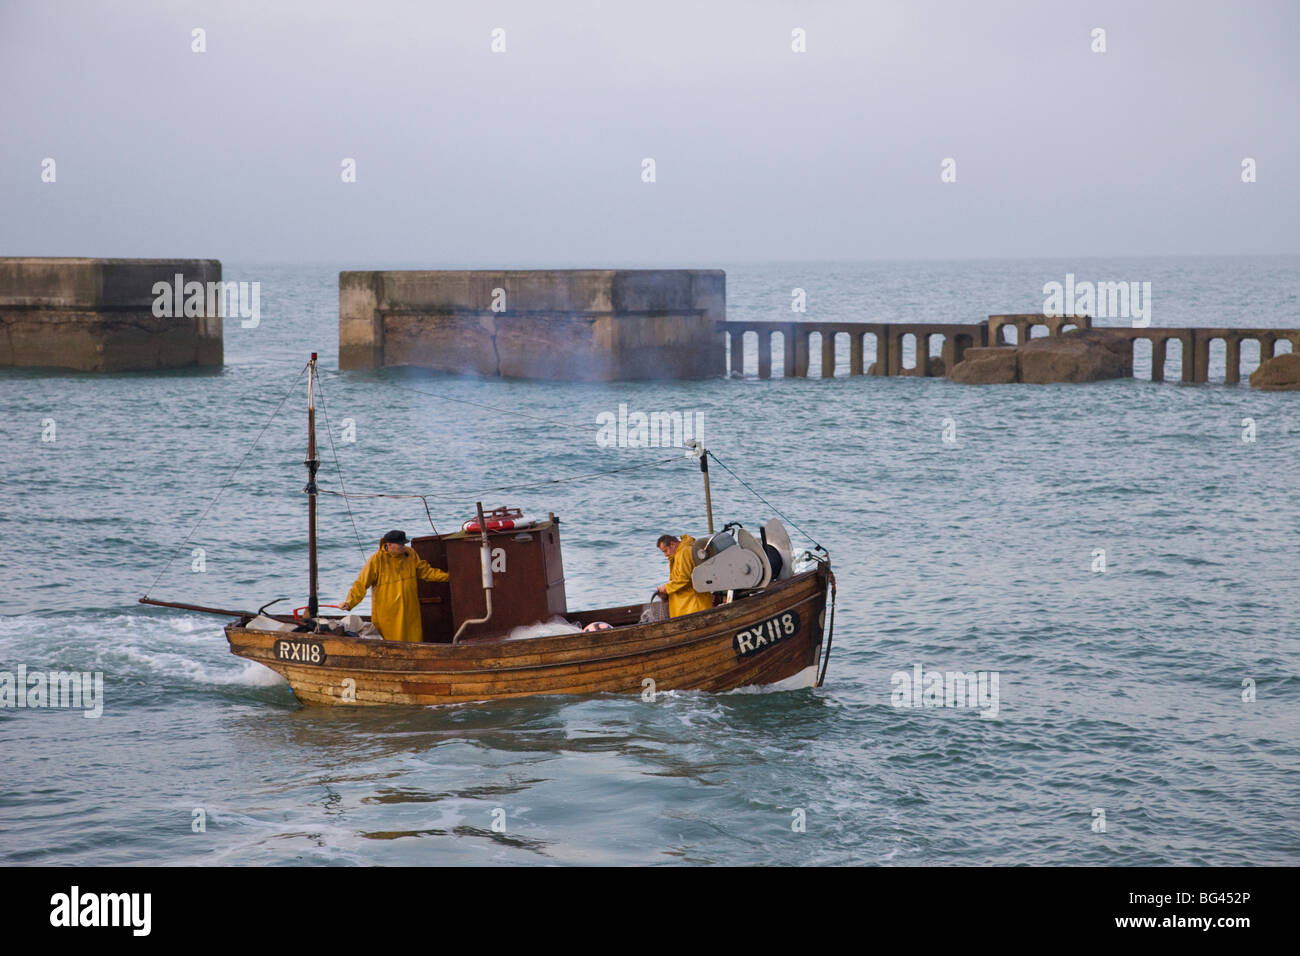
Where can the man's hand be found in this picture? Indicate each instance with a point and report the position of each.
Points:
(662, 591)
(346, 606)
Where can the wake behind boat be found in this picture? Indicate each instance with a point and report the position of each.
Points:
(767, 627)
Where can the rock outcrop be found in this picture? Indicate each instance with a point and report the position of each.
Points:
(1281, 373)
(1086, 355)
(999, 365)
(1083, 355)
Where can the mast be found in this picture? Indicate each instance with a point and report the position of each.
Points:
(703, 456)
(312, 463)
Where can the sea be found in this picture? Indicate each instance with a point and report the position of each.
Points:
(1117, 562)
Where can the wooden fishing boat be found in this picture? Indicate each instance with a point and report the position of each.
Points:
(773, 632)
(775, 638)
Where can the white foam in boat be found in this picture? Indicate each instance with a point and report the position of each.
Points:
(556, 625)
(264, 623)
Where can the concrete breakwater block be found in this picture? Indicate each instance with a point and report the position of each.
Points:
(108, 315)
(560, 324)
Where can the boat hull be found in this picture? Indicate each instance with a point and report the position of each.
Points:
(771, 638)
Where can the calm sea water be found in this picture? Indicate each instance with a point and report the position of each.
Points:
(1119, 691)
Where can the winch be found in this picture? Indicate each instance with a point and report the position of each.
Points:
(734, 560)
(730, 561)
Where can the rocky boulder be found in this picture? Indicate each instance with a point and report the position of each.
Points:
(1081, 355)
(999, 365)
(1281, 373)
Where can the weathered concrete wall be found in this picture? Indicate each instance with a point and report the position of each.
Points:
(596, 324)
(96, 315)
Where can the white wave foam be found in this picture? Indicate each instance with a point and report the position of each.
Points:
(805, 678)
(184, 648)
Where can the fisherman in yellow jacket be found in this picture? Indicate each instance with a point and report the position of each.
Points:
(682, 597)
(394, 571)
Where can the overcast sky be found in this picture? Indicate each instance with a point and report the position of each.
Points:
(534, 156)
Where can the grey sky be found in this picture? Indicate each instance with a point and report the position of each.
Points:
(533, 156)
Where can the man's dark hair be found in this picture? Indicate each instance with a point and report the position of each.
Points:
(665, 539)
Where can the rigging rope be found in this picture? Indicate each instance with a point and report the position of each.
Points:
(548, 421)
(472, 495)
(339, 469)
(362, 494)
(766, 502)
(464, 496)
(490, 408)
(223, 488)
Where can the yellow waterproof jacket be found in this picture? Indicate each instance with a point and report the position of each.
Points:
(395, 601)
(682, 598)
